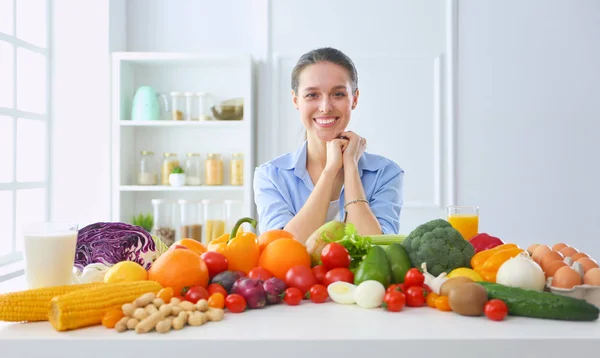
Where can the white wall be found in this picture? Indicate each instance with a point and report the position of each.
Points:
(526, 95)
(529, 118)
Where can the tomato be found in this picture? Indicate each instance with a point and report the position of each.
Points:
(415, 296)
(394, 287)
(260, 273)
(430, 299)
(293, 296)
(319, 272)
(338, 274)
(394, 301)
(111, 317)
(216, 300)
(495, 309)
(196, 293)
(216, 263)
(215, 287)
(335, 255)
(165, 294)
(413, 277)
(318, 293)
(301, 277)
(442, 303)
(235, 303)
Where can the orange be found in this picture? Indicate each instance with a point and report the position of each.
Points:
(268, 237)
(179, 269)
(193, 245)
(281, 255)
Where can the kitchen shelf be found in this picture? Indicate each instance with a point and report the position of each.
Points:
(185, 188)
(183, 124)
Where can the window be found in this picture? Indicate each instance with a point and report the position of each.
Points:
(24, 120)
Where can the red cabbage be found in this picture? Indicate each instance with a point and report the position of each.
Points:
(112, 242)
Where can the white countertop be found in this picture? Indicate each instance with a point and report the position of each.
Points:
(311, 330)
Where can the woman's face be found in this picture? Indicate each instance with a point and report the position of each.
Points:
(325, 100)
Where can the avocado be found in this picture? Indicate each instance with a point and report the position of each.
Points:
(375, 266)
(399, 262)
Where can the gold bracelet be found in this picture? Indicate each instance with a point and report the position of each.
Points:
(355, 201)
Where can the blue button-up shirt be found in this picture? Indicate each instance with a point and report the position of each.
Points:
(282, 186)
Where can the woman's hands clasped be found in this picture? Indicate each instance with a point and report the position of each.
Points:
(345, 151)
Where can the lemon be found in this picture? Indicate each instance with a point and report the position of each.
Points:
(125, 271)
(467, 272)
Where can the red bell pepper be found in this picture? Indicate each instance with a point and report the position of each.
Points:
(483, 241)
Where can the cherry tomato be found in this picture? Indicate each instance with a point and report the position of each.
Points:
(216, 263)
(495, 309)
(430, 299)
(259, 273)
(216, 300)
(318, 293)
(413, 277)
(196, 293)
(442, 304)
(301, 277)
(415, 296)
(319, 272)
(394, 301)
(165, 294)
(215, 287)
(235, 303)
(111, 317)
(338, 274)
(335, 255)
(293, 296)
(394, 287)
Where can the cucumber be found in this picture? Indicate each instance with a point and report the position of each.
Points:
(536, 304)
(399, 262)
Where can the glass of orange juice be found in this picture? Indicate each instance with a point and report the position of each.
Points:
(465, 219)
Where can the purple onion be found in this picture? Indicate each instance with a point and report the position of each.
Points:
(252, 290)
(274, 289)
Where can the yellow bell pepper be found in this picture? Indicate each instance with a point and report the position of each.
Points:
(496, 260)
(481, 257)
(240, 248)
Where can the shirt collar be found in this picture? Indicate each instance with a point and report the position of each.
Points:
(297, 162)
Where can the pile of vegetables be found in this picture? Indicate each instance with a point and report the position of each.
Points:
(108, 243)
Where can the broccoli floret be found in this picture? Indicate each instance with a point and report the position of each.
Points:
(439, 245)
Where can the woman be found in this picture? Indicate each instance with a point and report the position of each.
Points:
(300, 191)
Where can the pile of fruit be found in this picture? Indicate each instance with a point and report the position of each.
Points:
(434, 266)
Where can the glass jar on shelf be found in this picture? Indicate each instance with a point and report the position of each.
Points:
(236, 170)
(204, 104)
(190, 106)
(164, 224)
(170, 162)
(147, 171)
(178, 106)
(233, 212)
(213, 169)
(214, 220)
(191, 218)
(193, 169)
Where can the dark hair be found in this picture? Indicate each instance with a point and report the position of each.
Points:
(325, 54)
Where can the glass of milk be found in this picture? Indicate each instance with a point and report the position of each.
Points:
(49, 253)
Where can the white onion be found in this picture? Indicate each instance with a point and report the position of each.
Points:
(522, 272)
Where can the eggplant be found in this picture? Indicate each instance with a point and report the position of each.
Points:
(227, 279)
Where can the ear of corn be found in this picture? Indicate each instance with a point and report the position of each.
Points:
(33, 305)
(87, 307)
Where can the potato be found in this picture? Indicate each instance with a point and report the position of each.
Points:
(468, 299)
(453, 282)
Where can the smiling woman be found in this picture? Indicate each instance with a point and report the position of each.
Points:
(330, 176)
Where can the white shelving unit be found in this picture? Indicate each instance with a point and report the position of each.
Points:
(224, 77)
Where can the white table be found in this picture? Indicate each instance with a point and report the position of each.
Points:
(311, 330)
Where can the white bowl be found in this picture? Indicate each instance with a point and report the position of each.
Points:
(177, 179)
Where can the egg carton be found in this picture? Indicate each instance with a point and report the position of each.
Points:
(589, 293)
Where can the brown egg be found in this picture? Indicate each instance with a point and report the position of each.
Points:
(587, 263)
(568, 251)
(552, 267)
(566, 277)
(549, 257)
(578, 255)
(592, 277)
(558, 247)
(532, 248)
(539, 252)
